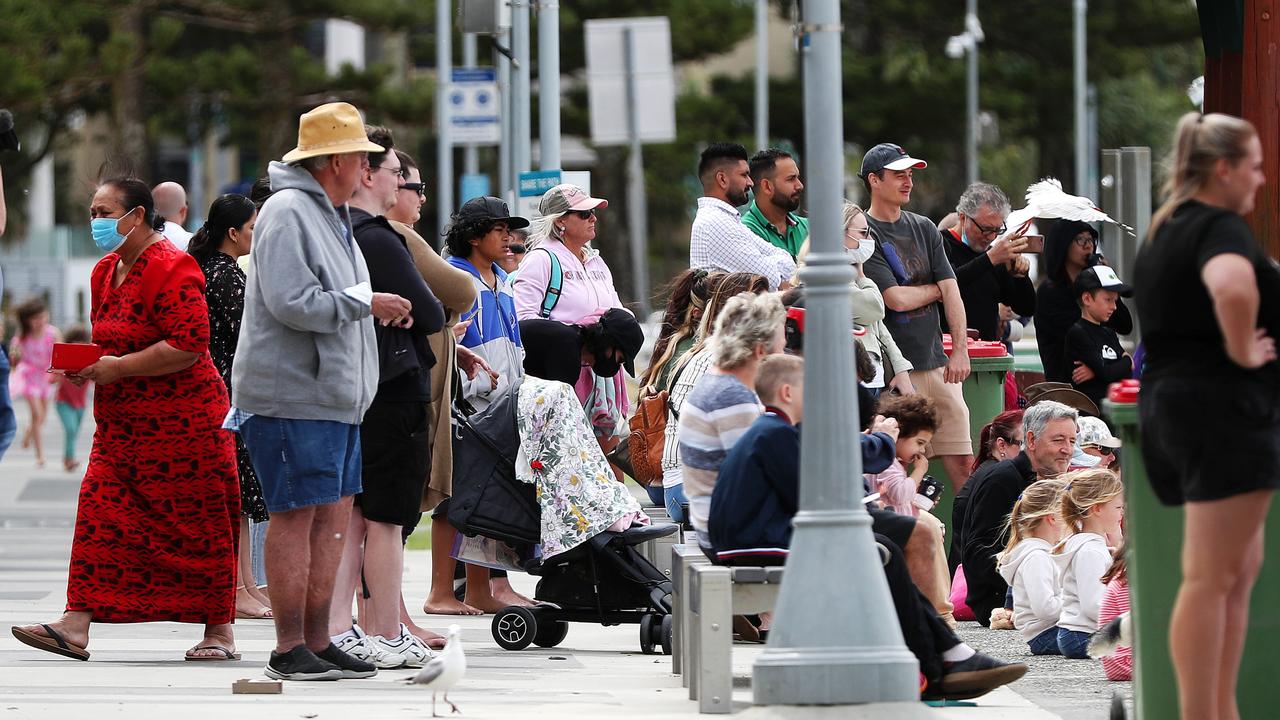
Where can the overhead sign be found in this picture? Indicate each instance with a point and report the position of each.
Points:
(472, 106)
(625, 51)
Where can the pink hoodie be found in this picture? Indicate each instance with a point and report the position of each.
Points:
(586, 287)
(897, 489)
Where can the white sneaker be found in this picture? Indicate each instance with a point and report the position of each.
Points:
(410, 646)
(369, 649)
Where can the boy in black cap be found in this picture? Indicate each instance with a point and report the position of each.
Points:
(1093, 350)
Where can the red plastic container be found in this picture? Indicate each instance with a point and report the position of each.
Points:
(74, 357)
(1125, 391)
(978, 348)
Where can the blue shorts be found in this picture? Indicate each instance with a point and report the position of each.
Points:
(303, 462)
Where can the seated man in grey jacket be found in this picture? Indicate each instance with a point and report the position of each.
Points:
(306, 371)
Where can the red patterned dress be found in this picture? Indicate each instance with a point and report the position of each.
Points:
(159, 514)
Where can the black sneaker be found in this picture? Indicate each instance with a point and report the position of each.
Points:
(351, 666)
(975, 677)
(300, 664)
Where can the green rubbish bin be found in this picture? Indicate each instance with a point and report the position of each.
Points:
(984, 396)
(1154, 533)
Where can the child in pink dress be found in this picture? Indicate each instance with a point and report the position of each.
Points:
(31, 352)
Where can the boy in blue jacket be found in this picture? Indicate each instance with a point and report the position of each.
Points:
(757, 494)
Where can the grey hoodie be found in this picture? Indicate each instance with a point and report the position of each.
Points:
(307, 349)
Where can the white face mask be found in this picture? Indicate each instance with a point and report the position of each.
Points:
(866, 248)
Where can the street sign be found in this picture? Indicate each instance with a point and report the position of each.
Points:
(472, 106)
(609, 69)
(530, 189)
(473, 186)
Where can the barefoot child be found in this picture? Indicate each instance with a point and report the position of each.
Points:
(1035, 527)
(1092, 508)
(69, 402)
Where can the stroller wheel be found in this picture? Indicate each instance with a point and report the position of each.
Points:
(514, 627)
(665, 638)
(550, 633)
(647, 634)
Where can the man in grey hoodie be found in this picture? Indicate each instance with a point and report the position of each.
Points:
(306, 371)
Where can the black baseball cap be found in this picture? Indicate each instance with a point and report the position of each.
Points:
(625, 333)
(887, 156)
(490, 208)
(1100, 277)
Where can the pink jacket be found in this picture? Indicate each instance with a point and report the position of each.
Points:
(586, 287)
(897, 489)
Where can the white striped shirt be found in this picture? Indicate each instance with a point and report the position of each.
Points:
(720, 241)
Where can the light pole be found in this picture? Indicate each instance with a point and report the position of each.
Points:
(444, 141)
(835, 638)
(1080, 9)
(549, 84)
(958, 45)
(762, 74)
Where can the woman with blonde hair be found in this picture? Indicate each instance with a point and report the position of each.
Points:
(1208, 308)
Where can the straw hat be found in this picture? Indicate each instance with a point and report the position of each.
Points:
(331, 129)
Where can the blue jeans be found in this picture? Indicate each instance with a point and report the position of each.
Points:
(675, 499)
(303, 462)
(8, 421)
(258, 543)
(1074, 644)
(1046, 643)
(656, 494)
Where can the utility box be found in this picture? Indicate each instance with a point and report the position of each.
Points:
(483, 17)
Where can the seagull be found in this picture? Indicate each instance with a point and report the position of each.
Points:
(444, 671)
(1046, 199)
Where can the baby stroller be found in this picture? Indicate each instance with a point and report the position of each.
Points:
(604, 580)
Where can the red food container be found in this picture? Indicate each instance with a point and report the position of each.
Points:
(978, 348)
(1125, 391)
(74, 357)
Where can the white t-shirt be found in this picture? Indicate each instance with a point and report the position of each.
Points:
(177, 235)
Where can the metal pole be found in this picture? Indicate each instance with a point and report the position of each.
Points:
(520, 104)
(637, 207)
(1080, 10)
(549, 84)
(762, 74)
(835, 637)
(444, 141)
(470, 153)
(505, 180)
(971, 96)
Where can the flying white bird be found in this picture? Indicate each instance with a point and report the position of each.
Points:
(444, 671)
(1046, 199)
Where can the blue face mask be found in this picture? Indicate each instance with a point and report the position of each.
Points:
(964, 238)
(106, 233)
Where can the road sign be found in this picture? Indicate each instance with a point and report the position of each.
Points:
(533, 185)
(472, 105)
(609, 69)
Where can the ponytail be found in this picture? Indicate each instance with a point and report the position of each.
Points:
(227, 212)
(1199, 142)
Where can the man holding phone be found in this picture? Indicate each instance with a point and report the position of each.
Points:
(988, 259)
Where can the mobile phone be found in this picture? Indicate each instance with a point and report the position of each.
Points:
(74, 357)
(1035, 244)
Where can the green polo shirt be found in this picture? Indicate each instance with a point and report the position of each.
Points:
(797, 229)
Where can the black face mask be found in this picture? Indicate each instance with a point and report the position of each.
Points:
(605, 366)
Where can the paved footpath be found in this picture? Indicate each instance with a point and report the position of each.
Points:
(137, 671)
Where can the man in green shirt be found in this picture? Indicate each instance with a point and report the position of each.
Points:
(771, 215)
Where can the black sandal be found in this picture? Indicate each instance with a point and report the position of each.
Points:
(53, 643)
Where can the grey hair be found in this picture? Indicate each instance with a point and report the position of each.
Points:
(1039, 415)
(979, 194)
(747, 321)
(314, 164)
(543, 227)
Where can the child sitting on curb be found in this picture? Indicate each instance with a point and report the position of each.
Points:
(1115, 602)
(1035, 527)
(1092, 509)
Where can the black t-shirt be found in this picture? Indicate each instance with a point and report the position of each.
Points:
(1179, 327)
(984, 286)
(1098, 347)
(552, 350)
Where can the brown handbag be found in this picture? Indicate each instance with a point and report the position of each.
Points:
(648, 434)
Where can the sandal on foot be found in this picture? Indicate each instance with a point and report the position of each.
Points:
(226, 654)
(53, 643)
(264, 614)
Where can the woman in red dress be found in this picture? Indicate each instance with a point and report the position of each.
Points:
(159, 511)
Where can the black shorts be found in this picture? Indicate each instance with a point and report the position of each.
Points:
(1210, 438)
(396, 451)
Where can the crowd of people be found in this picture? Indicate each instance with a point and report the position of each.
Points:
(295, 364)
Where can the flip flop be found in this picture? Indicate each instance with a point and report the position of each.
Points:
(226, 654)
(54, 643)
(264, 615)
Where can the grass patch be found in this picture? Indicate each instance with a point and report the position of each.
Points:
(421, 537)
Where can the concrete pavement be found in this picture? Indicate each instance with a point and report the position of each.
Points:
(137, 671)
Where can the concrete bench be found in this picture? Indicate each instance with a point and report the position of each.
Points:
(683, 557)
(658, 551)
(715, 594)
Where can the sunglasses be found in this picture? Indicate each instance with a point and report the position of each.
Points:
(863, 234)
(420, 188)
(1106, 451)
(584, 214)
(1011, 441)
